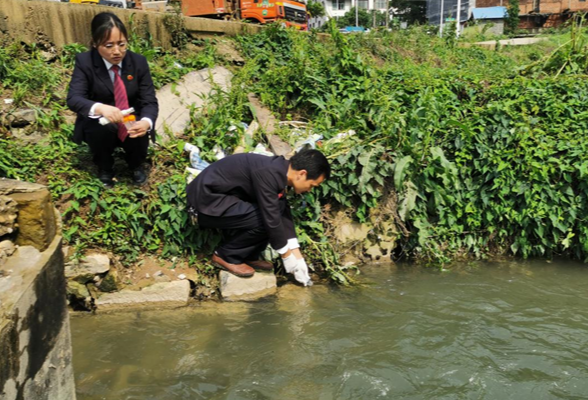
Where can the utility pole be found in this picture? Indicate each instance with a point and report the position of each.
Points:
(356, 13)
(441, 21)
(458, 25)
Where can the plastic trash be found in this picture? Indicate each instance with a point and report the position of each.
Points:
(195, 160)
(218, 152)
(308, 143)
(8, 101)
(340, 137)
(128, 111)
(231, 130)
(260, 149)
(192, 173)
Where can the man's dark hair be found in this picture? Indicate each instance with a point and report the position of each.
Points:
(102, 25)
(313, 161)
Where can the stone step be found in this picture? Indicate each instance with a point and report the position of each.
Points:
(160, 295)
(259, 285)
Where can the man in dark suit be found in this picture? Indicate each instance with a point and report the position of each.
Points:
(245, 196)
(105, 80)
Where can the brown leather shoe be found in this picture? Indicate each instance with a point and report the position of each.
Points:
(261, 265)
(241, 270)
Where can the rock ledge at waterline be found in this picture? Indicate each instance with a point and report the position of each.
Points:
(160, 295)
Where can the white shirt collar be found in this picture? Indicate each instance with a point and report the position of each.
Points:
(109, 65)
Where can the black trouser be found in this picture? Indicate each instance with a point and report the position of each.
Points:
(103, 142)
(244, 236)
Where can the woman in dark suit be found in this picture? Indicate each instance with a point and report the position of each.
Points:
(106, 80)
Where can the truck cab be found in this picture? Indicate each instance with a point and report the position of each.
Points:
(290, 13)
(287, 12)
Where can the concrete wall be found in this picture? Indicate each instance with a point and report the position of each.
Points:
(35, 344)
(63, 23)
(496, 28)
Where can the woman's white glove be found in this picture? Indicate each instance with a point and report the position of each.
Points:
(290, 263)
(301, 273)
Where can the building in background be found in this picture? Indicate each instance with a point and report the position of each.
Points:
(537, 14)
(338, 8)
(448, 8)
(491, 18)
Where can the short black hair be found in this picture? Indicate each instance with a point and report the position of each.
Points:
(313, 161)
(102, 25)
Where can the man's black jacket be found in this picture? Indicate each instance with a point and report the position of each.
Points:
(237, 184)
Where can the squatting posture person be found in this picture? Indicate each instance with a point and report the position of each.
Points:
(244, 195)
(106, 80)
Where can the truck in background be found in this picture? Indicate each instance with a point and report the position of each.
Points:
(288, 12)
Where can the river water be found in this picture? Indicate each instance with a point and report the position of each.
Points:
(511, 330)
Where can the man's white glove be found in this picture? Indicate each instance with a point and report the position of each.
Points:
(301, 273)
(290, 263)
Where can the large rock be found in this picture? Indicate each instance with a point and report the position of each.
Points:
(37, 221)
(96, 263)
(20, 118)
(176, 100)
(90, 266)
(161, 295)
(350, 231)
(259, 285)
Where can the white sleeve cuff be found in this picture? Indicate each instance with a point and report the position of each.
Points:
(148, 120)
(293, 244)
(283, 250)
(93, 111)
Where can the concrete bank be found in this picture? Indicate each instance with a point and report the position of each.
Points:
(64, 23)
(35, 344)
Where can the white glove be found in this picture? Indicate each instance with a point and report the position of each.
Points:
(290, 263)
(301, 272)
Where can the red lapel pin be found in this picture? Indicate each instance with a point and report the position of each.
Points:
(129, 77)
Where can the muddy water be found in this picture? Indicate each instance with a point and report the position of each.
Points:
(483, 331)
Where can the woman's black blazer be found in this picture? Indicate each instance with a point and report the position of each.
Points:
(90, 83)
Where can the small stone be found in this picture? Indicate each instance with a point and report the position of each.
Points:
(182, 276)
(77, 290)
(110, 282)
(158, 273)
(147, 275)
(7, 247)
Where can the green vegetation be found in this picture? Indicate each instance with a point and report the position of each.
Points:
(511, 23)
(481, 159)
(480, 152)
